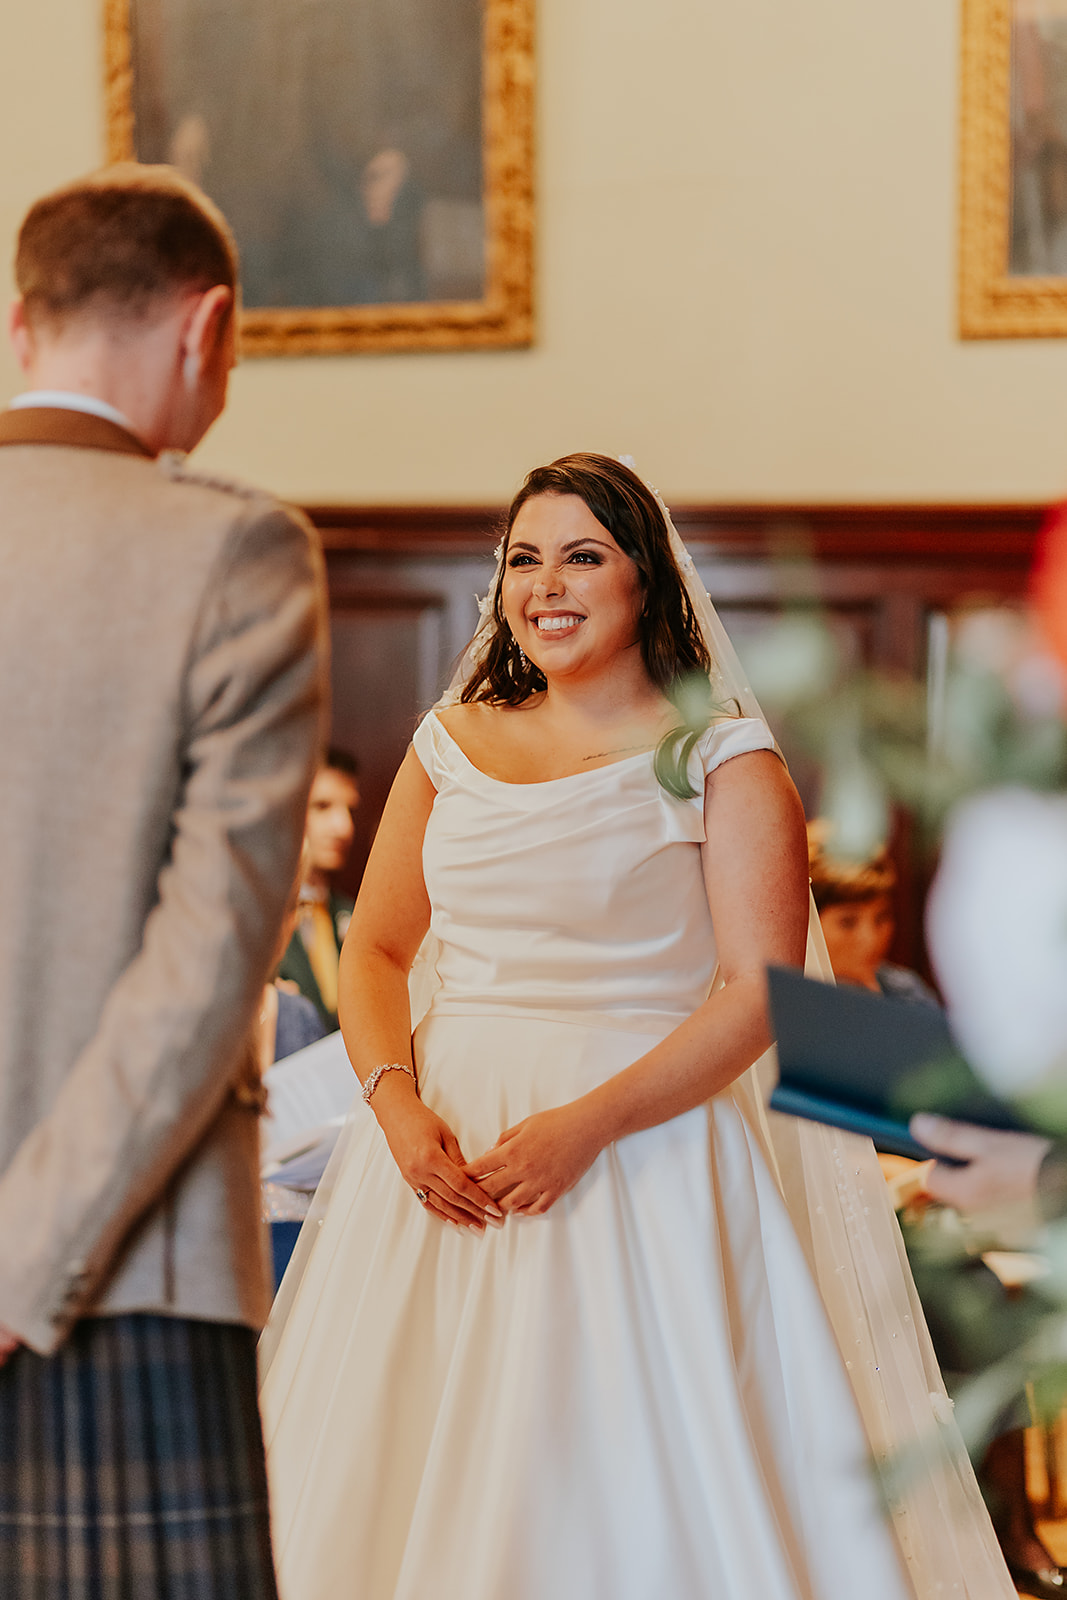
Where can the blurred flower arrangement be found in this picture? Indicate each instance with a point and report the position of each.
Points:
(977, 755)
(990, 715)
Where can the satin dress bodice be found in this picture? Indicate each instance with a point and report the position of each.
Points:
(580, 896)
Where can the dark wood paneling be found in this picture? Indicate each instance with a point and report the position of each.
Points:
(409, 530)
(403, 581)
(997, 535)
(386, 650)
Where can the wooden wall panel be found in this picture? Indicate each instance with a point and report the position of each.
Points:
(385, 655)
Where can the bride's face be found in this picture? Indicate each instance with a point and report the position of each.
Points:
(572, 598)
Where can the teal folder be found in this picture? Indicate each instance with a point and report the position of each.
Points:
(862, 1062)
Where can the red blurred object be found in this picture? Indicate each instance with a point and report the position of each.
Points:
(1048, 581)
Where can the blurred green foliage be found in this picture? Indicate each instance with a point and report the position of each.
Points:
(990, 717)
(990, 714)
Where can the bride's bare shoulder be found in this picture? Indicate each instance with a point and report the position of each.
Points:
(489, 736)
(470, 719)
(478, 729)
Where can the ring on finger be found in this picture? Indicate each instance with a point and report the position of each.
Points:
(422, 1196)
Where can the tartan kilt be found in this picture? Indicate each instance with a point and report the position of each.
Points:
(131, 1466)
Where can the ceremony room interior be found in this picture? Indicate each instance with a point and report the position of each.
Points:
(744, 276)
(742, 242)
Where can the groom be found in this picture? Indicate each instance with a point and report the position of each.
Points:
(162, 652)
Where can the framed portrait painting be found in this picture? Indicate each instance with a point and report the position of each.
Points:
(374, 158)
(1013, 197)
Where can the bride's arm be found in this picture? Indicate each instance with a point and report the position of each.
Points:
(388, 924)
(756, 873)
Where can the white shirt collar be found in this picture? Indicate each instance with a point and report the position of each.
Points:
(67, 400)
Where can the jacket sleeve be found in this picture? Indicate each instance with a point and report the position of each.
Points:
(170, 1045)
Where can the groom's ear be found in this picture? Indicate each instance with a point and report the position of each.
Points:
(20, 332)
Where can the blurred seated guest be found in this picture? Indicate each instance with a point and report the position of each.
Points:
(323, 914)
(288, 1021)
(855, 905)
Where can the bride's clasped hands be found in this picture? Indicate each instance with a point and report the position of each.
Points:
(528, 1169)
(429, 1157)
(540, 1159)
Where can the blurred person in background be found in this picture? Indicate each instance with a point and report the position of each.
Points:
(855, 905)
(288, 1021)
(323, 912)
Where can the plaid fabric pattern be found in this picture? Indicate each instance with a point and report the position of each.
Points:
(131, 1466)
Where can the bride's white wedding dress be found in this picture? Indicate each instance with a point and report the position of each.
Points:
(636, 1396)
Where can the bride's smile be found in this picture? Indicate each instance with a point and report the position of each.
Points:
(572, 598)
(557, 622)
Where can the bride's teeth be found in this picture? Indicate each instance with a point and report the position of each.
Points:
(554, 624)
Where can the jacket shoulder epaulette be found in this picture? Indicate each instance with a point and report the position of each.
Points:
(175, 466)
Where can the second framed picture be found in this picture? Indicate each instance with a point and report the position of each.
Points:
(1013, 201)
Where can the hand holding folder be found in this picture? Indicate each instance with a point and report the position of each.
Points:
(859, 1061)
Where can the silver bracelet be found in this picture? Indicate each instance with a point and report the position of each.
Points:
(379, 1072)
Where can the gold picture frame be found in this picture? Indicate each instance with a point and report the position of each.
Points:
(996, 302)
(502, 314)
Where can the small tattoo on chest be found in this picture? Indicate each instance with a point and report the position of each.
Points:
(623, 749)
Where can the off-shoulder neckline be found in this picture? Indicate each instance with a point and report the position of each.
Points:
(540, 783)
(569, 777)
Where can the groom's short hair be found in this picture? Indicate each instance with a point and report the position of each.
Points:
(117, 242)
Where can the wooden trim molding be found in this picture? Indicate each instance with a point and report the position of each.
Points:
(504, 317)
(953, 535)
(408, 530)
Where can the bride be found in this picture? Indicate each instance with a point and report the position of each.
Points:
(552, 1334)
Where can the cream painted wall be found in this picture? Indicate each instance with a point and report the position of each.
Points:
(746, 273)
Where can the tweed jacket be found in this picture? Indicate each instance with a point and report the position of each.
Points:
(163, 655)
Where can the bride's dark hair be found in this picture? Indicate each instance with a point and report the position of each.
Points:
(672, 646)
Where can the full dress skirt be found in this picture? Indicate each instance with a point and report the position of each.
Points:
(636, 1395)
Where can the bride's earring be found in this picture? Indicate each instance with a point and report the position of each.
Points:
(522, 658)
